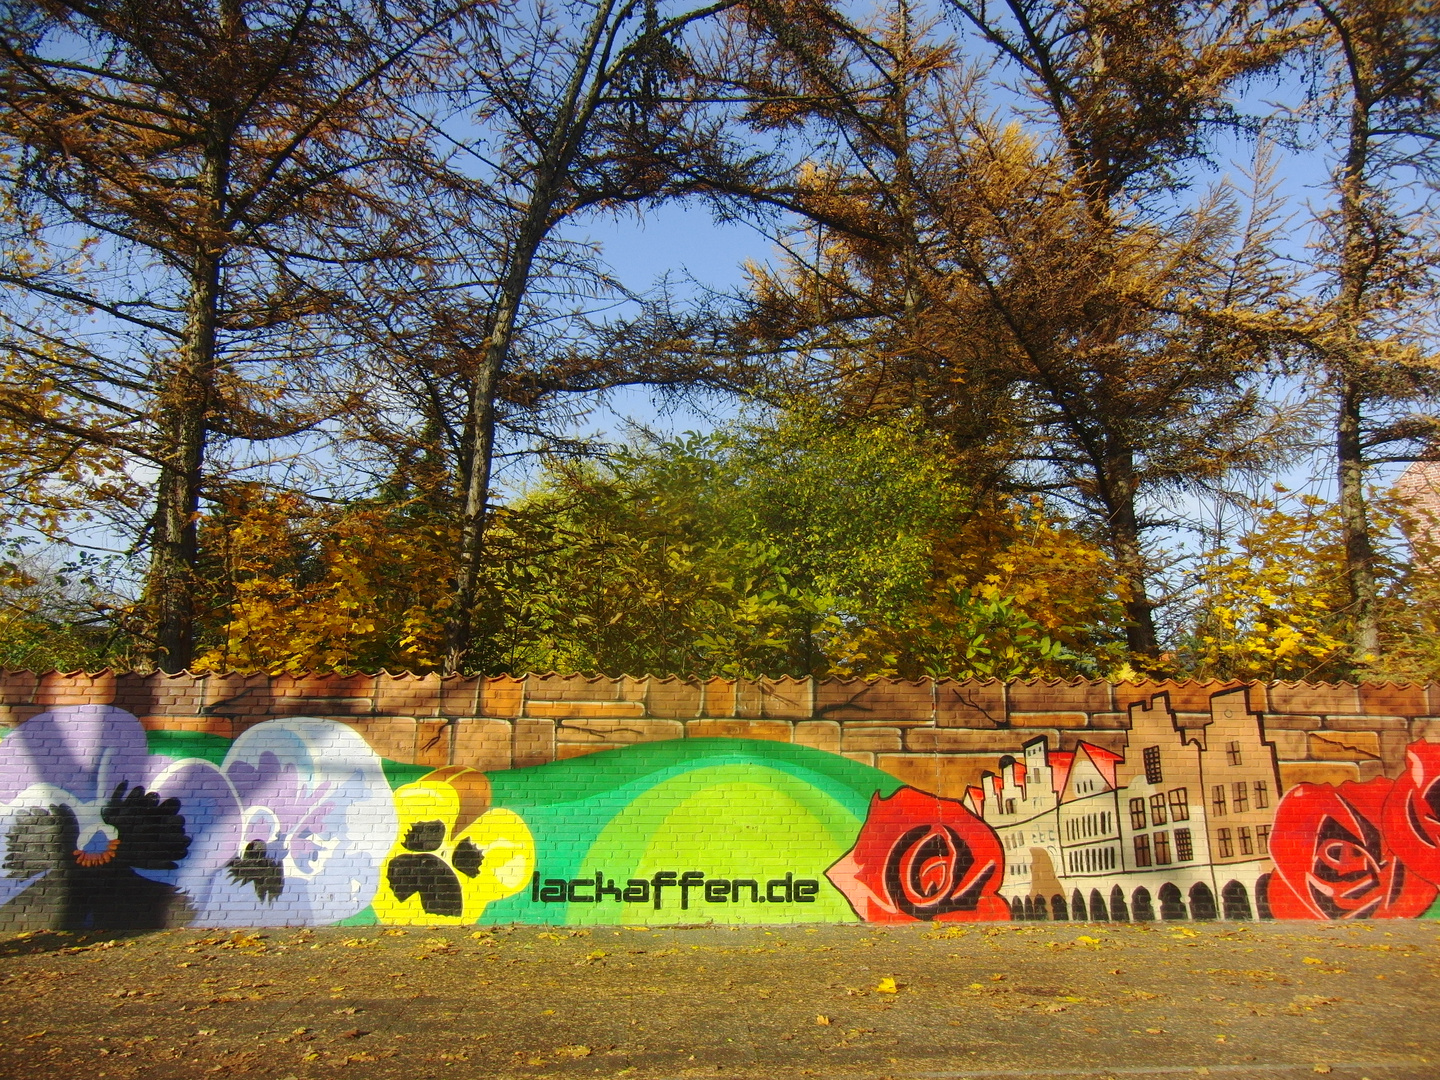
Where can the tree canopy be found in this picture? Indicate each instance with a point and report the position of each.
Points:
(1042, 326)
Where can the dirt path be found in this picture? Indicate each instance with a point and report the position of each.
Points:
(1270, 1000)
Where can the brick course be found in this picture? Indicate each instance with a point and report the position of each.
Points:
(947, 731)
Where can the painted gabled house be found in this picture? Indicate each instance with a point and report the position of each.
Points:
(1177, 826)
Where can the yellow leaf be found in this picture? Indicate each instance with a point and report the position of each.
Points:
(887, 986)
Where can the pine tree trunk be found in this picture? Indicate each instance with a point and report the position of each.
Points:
(479, 441)
(573, 113)
(479, 445)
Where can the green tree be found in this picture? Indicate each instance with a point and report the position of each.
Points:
(799, 548)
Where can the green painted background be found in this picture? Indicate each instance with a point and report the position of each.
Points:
(729, 808)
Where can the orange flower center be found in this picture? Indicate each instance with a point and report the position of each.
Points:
(99, 858)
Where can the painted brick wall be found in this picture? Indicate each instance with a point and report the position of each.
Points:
(141, 801)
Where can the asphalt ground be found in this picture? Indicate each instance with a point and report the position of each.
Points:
(1270, 1001)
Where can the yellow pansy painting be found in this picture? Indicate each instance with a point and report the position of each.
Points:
(455, 853)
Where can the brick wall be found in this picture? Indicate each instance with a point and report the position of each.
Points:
(935, 734)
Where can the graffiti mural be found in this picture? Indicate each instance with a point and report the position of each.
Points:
(298, 821)
(922, 858)
(1357, 851)
(1196, 824)
(453, 853)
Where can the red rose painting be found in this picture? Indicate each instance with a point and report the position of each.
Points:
(920, 858)
(1411, 822)
(1332, 859)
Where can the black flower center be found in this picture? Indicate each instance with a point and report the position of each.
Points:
(257, 868)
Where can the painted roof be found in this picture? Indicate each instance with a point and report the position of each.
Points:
(1105, 760)
(1060, 762)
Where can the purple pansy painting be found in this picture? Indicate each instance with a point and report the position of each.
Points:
(97, 832)
(318, 821)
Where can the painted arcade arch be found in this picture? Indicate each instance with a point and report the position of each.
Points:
(1140, 905)
(1097, 907)
(1117, 905)
(1235, 901)
(1172, 905)
(1202, 901)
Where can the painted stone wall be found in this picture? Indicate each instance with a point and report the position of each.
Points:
(146, 801)
(938, 735)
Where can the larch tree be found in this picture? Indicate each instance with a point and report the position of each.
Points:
(196, 173)
(1070, 275)
(1377, 97)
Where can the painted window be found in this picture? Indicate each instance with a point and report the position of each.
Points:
(1179, 805)
(1233, 752)
(1242, 797)
(1162, 849)
(1157, 809)
(1247, 846)
(1262, 795)
(1137, 813)
(1218, 800)
(1184, 849)
(1153, 773)
(1142, 851)
(1227, 847)
(1262, 838)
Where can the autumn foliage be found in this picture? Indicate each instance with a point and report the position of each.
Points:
(301, 323)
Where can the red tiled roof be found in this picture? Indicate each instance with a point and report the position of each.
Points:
(1060, 762)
